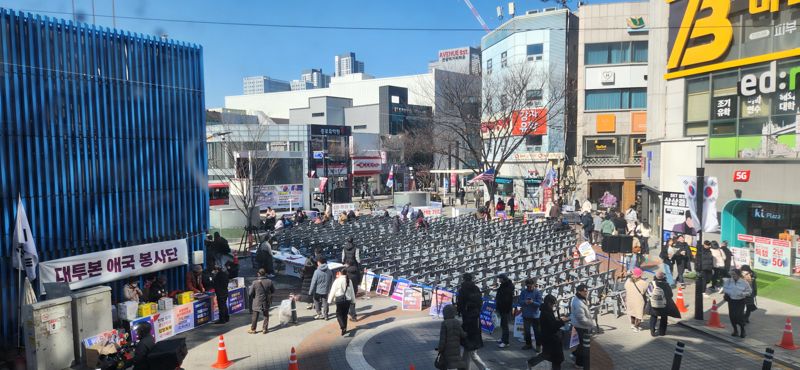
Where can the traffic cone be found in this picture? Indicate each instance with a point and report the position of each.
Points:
(713, 321)
(679, 302)
(412, 367)
(293, 361)
(222, 356)
(787, 342)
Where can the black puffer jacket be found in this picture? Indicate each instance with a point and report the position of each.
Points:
(505, 296)
(704, 260)
(450, 336)
(469, 303)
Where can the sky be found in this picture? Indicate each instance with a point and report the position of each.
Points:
(233, 51)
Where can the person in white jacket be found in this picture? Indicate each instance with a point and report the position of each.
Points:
(736, 291)
(581, 319)
(342, 294)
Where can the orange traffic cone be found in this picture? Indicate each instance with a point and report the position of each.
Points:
(679, 302)
(222, 356)
(293, 361)
(412, 367)
(787, 341)
(713, 321)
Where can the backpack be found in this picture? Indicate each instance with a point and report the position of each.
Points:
(657, 297)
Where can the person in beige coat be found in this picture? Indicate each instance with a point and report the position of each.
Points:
(635, 288)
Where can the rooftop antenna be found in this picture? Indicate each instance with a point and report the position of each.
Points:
(511, 9)
(499, 12)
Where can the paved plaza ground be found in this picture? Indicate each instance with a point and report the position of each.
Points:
(385, 337)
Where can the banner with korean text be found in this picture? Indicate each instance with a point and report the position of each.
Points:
(114, 264)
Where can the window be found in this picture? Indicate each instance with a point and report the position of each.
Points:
(601, 147)
(612, 99)
(489, 67)
(636, 146)
(318, 114)
(504, 59)
(533, 140)
(535, 51)
(534, 97)
(295, 146)
(698, 100)
(616, 52)
(278, 146)
(359, 127)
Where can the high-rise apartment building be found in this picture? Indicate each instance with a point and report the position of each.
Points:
(345, 64)
(263, 84)
(318, 79)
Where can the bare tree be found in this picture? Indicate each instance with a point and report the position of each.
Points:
(243, 162)
(481, 121)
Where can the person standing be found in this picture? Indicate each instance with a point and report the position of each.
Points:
(478, 197)
(588, 226)
(736, 292)
(504, 299)
(581, 318)
(308, 273)
(450, 337)
(530, 299)
(221, 248)
(264, 257)
(462, 194)
(728, 257)
(396, 224)
(341, 294)
(469, 302)
(350, 252)
(131, 290)
(718, 273)
(666, 261)
(512, 205)
(321, 283)
(631, 217)
(221, 291)
(643, 231)
(552, 347)
(681, 259)
(260, 293)
(353, 272)
(607, 227)
(635, 288)
(597, 221)
(749, 276)
(704, 263)
(619, 223)
(144, 347)
(661, 304)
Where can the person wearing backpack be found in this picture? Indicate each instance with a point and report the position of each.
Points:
(661, 304)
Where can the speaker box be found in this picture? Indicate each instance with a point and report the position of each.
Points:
(617, 244)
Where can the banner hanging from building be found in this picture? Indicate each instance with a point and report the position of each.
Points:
(114, 264)
(710, 194)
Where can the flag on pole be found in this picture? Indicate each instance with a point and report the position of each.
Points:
(25, 254)
(322, 182)
(487, 175)
(709, 193)
(390, 181)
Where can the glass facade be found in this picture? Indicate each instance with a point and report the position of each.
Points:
(616, 52)
(616, 99)
(114, 132)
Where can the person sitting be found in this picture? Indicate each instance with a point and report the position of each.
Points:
(158, 289)
(131, 290)
(194, 280)
(343, 218)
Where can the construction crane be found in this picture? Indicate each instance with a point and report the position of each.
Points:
(477, 16)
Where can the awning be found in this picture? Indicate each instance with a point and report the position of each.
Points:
(453, 171)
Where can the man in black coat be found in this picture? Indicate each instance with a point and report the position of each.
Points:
(469, 302)
(504, 300)
(221, 291)
(588, 226)
(704, 263)
(260, 293)
(682, 258)
(143, 347)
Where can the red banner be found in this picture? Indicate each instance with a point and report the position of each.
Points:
(531, 121)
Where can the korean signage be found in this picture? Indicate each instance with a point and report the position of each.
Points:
(487, 316)
(327, 130)
(400, 289)
(741, 257)
(439, 299)
(412, 299)
(338, 208)
(453, 54)
(535, 156)
(384, 285)
(707, 35)
(773, 258)
(114, 264)
(366, 166)
(724, 107)
(280, 196)
(529, 122)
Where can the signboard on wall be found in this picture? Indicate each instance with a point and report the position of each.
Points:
(280, 196)
(675, 211)
(773, 258)
(366, 166)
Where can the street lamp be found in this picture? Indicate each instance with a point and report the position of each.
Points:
(700, 180)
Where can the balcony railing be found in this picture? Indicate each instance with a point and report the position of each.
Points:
(611, 161)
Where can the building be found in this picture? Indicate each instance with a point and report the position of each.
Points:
(462, 60)
(735, 98)
(612, 102)
(263, 84)
(318, 79)
(345, 64)
(301, 85)
(112, 167)
(546, 43)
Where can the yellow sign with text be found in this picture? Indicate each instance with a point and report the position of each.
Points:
(705, 35)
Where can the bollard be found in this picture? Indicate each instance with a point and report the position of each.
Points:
(768, 359)
(586, 351)
(676, 360)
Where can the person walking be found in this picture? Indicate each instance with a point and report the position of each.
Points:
(530, 300)
(718, 272)
(321, 283)
(736, 292)
(749, 276)
(681, 259)
(469, 302)
(308, 273)
(704, 263)
(512, 205)
(552, 347)
(260, 294)
(597, 221)
(666, 262)
(588, 226)
(661, 304)
(221, 281)
(635, 288)
(450, 337)
(643, 232)
(728, 257)
(353, 272)
(478, 197)
(504, 299)
(341, 294)
(581, 318)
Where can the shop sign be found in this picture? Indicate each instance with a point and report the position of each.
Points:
(741, 176)
(536, 156)
(635, 24)
(702, 34)
(760, 213)
(326, 130)
(453, 54)
(529, 122)
(773, 258)
(769, 82)
(724, 107)
(675, 207)
(114, 264)
(366, 166)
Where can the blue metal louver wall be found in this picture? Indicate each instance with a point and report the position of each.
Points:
(102, 133)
